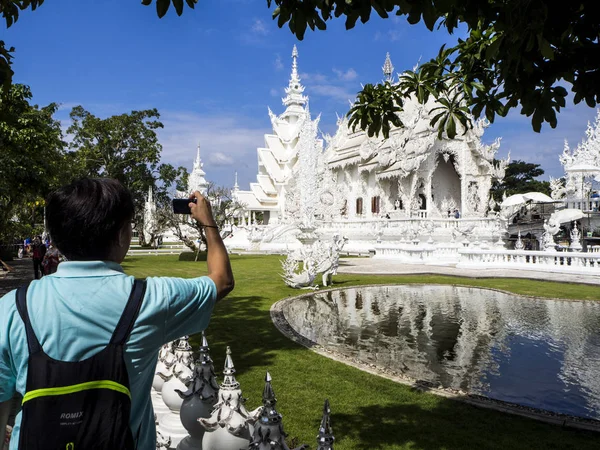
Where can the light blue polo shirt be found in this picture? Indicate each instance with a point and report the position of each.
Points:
(74, 313)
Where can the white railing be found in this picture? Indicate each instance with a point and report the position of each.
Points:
(344, 224)
(531, 260)
(418, 252)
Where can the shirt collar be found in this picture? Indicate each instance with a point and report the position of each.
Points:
(88, 269)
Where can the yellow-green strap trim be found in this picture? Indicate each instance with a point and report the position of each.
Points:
(101, 384)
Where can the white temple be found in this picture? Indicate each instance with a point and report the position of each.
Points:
(411, 197)
(359, 184)
(280, 154)
(582, 168)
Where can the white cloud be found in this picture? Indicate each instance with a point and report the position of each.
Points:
(392, 35)
(221, 159)
(278, 63)
(227, 143)
(259, 27)
(275, 92)
(348, 75)
(313, 77)
(340, 93)
(341, 87)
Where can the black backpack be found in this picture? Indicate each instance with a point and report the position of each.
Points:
(83, 405)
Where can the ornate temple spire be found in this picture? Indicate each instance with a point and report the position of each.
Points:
(197, 180)
(229, 381)
(150, 198)
(236, 187)
(198, 162)
(294, 91)
(388, 68)
(325, 438)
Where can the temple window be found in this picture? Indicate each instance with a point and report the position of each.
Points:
(359, 206)
(375, 204)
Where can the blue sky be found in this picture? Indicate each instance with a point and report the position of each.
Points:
(213, 71)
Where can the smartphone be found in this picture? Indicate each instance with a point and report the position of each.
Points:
(181, 205)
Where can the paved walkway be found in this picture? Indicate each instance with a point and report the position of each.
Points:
(23, 272)
(376, 266)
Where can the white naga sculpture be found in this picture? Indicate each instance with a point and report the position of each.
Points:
(301, 266)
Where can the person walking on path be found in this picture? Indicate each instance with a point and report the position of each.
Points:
(72, 315)
(38, 253)
(51, 260)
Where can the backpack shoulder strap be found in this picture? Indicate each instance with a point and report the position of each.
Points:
(32, 341)
(130, 313)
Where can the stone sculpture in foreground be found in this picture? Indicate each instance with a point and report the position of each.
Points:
(199, 399)
(226, 424)
(170, 424)
(230, 425)
(325, 438)
(268, 431)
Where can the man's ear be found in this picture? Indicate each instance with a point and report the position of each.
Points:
(122, 239)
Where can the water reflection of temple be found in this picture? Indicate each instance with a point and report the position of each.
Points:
(458, 337)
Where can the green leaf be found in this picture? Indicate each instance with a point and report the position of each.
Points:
(492, 51)
(451, 127)
(178, 4)
(162, 6)
(545, 48)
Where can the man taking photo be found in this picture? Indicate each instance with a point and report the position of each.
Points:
(81, 345)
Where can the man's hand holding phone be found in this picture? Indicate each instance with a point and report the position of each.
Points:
(201, 210)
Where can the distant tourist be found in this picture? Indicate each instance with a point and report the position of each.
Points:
(51, 260)
(456, 214)
(89, 303)
(38, 250)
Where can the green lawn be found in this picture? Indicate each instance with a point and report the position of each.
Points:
(368, 412)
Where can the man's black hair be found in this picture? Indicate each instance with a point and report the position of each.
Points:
(85, 217)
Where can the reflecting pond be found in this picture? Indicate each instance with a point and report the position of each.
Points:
(534, 352)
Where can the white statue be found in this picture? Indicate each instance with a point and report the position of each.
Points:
(316, 257)
(575, 239)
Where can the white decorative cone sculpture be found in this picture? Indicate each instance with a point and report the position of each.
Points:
(199, 400)
(164, 372)
(169, 425)
(230, 424)
(268, 431)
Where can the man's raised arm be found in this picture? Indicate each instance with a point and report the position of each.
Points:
(219, 268)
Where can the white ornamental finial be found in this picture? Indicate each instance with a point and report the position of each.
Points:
(229, 381)
(150, 194)
(198, 155)
(388, 68)
(295, 62)
(294, 90)
(235, 185)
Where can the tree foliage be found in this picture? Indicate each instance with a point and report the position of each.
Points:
(517, 53)
(124, 147)
(31, 157)
(520, 178)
